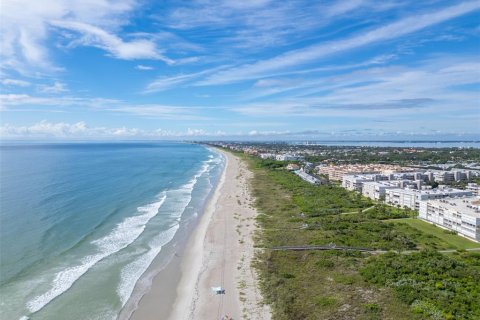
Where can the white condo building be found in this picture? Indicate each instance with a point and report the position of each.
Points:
(355, 182)
(309, 178)
(288, 157)
(475, 188)
(460, 214)
(376, 190)
(411, 198)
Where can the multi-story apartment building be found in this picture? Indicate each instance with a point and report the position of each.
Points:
(267, 156)
(411, 198)
(460, 214)
(474, 187)
(337, 172)
(355, 182)
(454, 175)
(309, 178)
(288, 157)
(376, 190)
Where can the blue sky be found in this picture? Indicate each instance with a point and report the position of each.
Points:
(251, 69)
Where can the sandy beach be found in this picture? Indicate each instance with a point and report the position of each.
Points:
(218, 254)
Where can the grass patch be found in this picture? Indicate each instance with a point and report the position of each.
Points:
(323, 301)
(454, 241)
(435, 285)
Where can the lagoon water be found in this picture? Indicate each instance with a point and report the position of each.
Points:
(80, 223)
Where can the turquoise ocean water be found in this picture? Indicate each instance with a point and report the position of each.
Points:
(80, 223)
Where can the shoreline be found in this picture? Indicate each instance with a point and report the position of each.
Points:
(162, 277)
(217, 253)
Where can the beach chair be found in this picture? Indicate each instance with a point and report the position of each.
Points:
(218, 290)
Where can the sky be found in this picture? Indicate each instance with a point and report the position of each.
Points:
(250, 69)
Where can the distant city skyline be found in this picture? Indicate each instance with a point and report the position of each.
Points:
(253, 69)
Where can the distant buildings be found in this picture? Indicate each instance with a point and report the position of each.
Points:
(355, 182)
(376, 190)
(406, 187)
(288, 157)
(265, 156)
(251, 151)
(281, 157)
(336, 173)
(309, 178)
(399, 180)
(411, 198)
(475, 188)
(461, 215)
(454, 209)
(293, 167)
(453, 176)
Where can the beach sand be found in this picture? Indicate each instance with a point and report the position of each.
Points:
(218, 254)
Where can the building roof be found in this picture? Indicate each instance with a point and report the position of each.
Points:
(438, 191)
(465, 205)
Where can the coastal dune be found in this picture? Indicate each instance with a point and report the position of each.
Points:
(218, 254)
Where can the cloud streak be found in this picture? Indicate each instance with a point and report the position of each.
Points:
(17, 102)
(306, 55)
(114, 45)
(431, 87)
(15, 82)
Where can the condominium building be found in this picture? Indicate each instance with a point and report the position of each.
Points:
(267, 156)
(451, 176)
(288, 157)
(411, 198)
(355, 182)
(309, 178)
(474, 187)
(376, 190)
(460, 214)
(337, 172)
(293, 167)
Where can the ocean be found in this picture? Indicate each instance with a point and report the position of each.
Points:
(80, 223)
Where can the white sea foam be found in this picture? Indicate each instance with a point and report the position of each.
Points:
(124, 234)
(182, 196)
(134, 270)
(179, 198)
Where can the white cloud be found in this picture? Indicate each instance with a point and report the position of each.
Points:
(342, 7)
(257, 24)
(18, 100)
(256, 133)
(437, 86)
(80, 130)
(165, 83)
(305, 55)
(26, 27)
(44, 129)
(168, 82)
(14, 102)
(179, 113)
(57, 87)
(143, 68)
(15, 82)
(97, 37)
